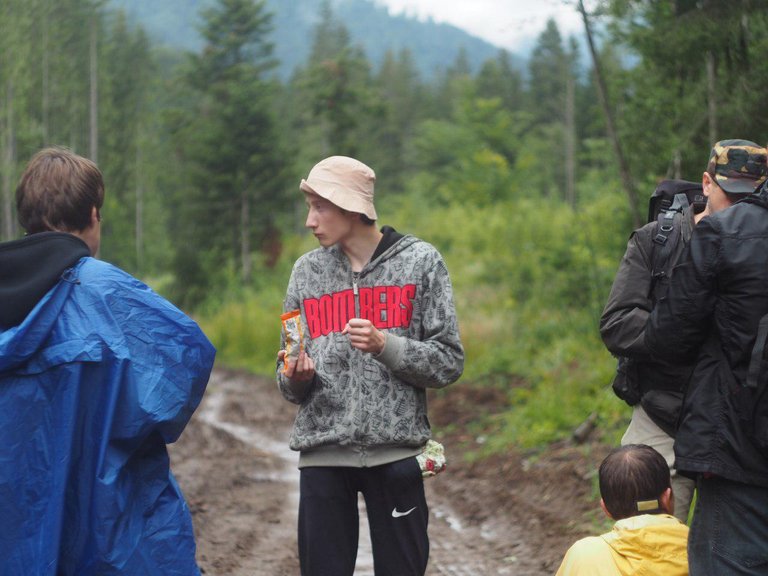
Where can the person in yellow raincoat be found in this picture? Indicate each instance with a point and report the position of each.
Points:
(635, 491)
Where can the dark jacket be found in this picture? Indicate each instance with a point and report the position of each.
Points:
(711, 314)
(641, 377)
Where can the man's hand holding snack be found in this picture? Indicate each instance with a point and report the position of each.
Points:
(302, 369)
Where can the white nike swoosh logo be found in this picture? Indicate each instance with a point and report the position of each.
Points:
(396, 514)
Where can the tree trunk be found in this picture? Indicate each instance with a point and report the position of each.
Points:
(46, 103)
(94, 103)
(602, 92)
(711, 97)
(9, 228)
(245, 237)
(678, 164)
(570, 146)
(139, 214)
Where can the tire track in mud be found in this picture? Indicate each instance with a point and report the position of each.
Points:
(241, 482)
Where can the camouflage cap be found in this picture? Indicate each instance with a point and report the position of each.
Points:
(738, 166)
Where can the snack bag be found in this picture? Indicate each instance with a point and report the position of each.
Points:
(294, 335)
(432, 459)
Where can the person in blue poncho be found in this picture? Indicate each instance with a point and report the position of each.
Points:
(97, 375)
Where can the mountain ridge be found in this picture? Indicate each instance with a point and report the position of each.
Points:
(434, 46)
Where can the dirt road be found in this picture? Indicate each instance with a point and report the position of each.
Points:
(241, 482)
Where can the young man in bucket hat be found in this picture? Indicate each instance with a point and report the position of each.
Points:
(653, 386)
(380, 328)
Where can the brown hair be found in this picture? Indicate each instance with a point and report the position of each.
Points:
(58, 191)
(631, 475)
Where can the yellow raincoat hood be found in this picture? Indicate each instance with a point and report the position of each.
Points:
(643, 545)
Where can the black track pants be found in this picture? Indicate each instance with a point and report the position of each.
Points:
(397, 515)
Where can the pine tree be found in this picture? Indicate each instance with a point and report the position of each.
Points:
(334, 89)
(230, 144)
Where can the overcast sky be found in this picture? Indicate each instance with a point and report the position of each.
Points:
(509, 24)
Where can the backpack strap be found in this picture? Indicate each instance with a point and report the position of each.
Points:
(758, 354)
(666, 237)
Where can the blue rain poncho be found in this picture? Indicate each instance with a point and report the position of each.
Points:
(96, 380)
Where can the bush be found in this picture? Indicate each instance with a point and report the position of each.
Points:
(244, 323)
(246, 331)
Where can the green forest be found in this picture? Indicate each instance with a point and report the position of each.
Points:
(528, 180)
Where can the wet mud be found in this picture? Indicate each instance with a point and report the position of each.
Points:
(511, 516)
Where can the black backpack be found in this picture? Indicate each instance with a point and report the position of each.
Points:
(664, 196)
(666, 207)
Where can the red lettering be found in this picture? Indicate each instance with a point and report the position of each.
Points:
(366, 303)
(343, 309)
(313, 318)
(393, 307)
(379, 307)
(384, 306)
(407, 294)
(326, 314)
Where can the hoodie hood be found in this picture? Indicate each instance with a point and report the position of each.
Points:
(30, 267)
(649, 544)
(391, 243)
(389, 237)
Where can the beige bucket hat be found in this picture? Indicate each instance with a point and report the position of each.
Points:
(344, 181)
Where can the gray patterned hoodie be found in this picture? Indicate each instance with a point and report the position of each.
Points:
(364, 410)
